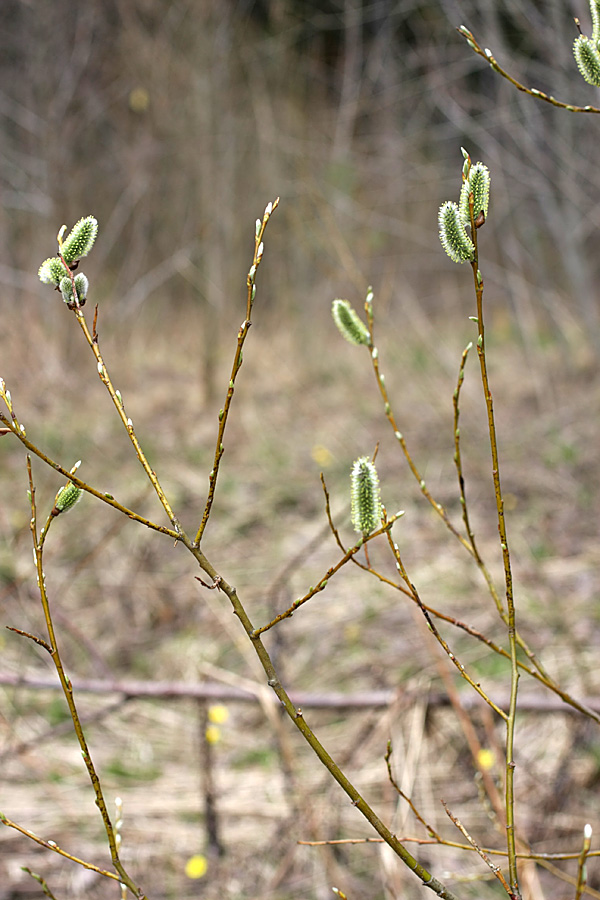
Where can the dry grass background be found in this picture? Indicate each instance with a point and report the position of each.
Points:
(354, 114)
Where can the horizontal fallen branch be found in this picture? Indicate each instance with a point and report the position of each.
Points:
(213, 691)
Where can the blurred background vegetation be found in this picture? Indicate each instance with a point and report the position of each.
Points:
(174, 122)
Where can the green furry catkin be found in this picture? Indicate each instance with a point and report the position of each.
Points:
(350, 325)
(453, 219)
(67, 497)
(587, 57)
(477, 183)
(81, 286)
(52, 271)
(80, 241)
(365, 496)
(455, 240)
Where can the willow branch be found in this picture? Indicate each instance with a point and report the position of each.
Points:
(532, 92)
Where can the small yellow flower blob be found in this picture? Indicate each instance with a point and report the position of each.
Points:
(139, 100)
(486, 759)
(352, 633)
(218, 714)
(321, 455)
(196, 866)
(213, 734)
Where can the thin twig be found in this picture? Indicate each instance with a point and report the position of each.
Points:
(329, 515)
(388, 761)
(50, 845)
(237, 363)
(119, 406)
(398, 434)
(491, 851)
(41, 881)
(415, 594)
(468, 544)
(106, 498)
(538, 673)
(322, 583)
(32, 637)
(582, 862)
(495, 869)
(457, 453)
(533, 92)
(488, 783)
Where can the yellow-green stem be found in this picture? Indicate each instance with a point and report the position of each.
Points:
(533, 92)
(68, 692)
(106, 498)
(297, 717)
(105, 378)
(468, 543)
(514, 671)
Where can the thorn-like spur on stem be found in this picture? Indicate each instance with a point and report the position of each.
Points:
(32, 637)
(211, 587)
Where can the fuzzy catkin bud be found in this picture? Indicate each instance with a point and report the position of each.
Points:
(81, 240)
(67, 497)
(365, 496)
(587, 57)
(455, 240)
(478, 183)
(81, 286)
(52, 271)
(350, 325)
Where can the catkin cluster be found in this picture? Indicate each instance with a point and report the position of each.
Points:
(58, 270)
